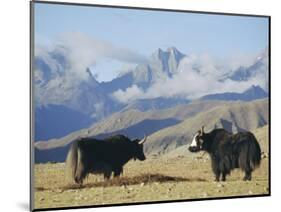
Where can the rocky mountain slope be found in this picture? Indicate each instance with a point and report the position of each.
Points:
(233, 117)
(167, 129)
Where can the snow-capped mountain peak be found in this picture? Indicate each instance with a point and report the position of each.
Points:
(56, 84)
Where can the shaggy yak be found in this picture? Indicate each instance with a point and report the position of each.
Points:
(89, 155)
(228, 151)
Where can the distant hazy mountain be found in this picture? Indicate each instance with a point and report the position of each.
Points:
(61, 91)
(55, 121)
(55, 86)
(161, 65)
(254, 92)
(244, 73)
(155, 103)
(259, 68)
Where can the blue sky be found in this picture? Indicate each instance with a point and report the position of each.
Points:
(145, 31)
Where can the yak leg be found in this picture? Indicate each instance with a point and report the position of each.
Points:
(223, 176)
(248, 172)
(107, 172)
(224, 170)
(217, 173)
(216, 169)
(217, 176)
(107, 175)
(118, 171)
(81, 173)
(248, 175)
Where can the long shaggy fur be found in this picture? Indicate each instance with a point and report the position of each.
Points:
(71, 161)
(229, 151)
(90, 155)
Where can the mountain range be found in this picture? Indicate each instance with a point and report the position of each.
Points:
(167, 129)
(65, 103)
(252, 93)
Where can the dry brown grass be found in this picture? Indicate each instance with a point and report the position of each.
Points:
(152, 180)
(127, 181)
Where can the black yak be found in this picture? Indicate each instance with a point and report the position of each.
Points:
(89, 155)
(228, 151)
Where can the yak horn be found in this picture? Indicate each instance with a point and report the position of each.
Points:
(202, 129)
(143, 140)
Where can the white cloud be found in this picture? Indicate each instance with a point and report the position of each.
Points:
(131, 93)
(82, 51)
(196, 76)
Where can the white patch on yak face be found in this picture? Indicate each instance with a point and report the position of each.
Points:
(194, 141)
(197, 142)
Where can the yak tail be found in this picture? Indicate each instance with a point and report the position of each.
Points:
(254, 152)
(72, 161)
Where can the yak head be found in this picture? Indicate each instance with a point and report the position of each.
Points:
(198, 141)
(138, 149)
